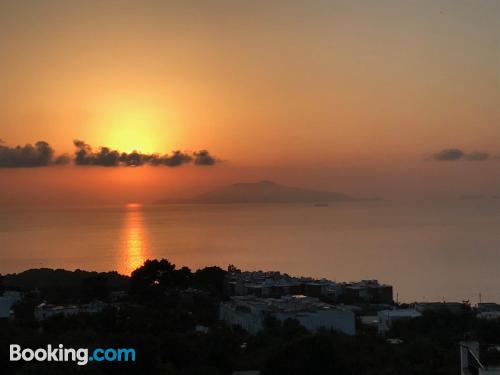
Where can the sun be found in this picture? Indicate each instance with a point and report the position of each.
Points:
(134, 126)
(134, 129)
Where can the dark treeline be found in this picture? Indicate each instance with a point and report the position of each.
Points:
(62, 286)
(164, 305)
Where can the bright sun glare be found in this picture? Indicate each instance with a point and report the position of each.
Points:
(129, 126)
(134, 130)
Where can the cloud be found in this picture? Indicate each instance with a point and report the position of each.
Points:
(62, 159)
(478, 156)
(107, 157)
(454, 154)
(449, 154)
(39, 155)
(173, 160)
(203, 158)
(43, 155)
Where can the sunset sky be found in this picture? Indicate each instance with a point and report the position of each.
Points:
(352, 96)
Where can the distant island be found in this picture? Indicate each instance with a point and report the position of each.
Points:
(261, 192)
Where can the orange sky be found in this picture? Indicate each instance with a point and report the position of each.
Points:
(343, 95)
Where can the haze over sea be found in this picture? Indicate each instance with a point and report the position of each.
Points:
(427, 251)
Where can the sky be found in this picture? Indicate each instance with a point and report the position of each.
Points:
(372, 98)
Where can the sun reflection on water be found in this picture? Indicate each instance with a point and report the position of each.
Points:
(134, 243)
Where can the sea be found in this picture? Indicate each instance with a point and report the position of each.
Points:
(428, 251)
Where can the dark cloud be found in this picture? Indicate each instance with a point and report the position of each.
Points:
(39, 155)
(42, 155)
(449, 154)
(203, 157)
(134, 159)
(453, 154)
(478, 156)
(175, 159)
(107, 157)
(62, 159)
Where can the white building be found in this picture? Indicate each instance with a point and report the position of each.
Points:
(370, 320)
(5, 307)
(387, 317)
(14, 295)
(8, 299)
(453, 307)
(274, 284)
(488, 315)
(244, 311)
(470, 363)
(45, 311)
(249, 312)
(488, 310)
(201, 328)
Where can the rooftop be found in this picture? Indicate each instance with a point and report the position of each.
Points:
(400, 313)
(296, 303)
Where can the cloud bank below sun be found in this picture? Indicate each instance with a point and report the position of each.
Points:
(43, 155)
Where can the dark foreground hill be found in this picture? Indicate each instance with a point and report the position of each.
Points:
(48, 278)
(61, 285)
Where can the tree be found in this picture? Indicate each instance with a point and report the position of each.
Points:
(211, 278)
(232, 269)
(153, 273)
(182, 277)
(317, 354)
(95, 287)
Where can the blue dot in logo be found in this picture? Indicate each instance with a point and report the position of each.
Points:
(91, 359)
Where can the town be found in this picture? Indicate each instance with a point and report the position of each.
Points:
(244, 306)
